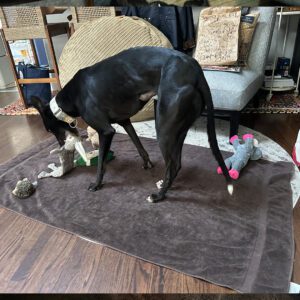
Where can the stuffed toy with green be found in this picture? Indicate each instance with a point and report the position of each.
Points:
(91, 159)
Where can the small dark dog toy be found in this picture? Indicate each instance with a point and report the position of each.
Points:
(24, 188)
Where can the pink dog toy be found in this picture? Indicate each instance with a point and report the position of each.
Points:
(243, 152)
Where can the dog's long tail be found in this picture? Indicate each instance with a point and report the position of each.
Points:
(211, 132)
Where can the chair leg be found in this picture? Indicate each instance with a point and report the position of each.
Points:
(53, 58)
(234, 123)
(36, 60)
(13, 67)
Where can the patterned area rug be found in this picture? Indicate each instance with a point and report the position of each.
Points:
(17, 109)
(279, 104)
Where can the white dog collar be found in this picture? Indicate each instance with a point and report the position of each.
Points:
(59, 114)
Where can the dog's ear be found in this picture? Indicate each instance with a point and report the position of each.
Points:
(38, 104)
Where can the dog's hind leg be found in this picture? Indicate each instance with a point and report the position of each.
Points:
(136, 141)
(105, 139)
(171, 149)
(175, 113)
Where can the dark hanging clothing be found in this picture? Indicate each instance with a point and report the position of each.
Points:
(176, 23)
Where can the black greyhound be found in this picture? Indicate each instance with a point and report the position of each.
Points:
(116, 88)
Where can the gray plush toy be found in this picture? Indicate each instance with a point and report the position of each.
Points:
(66, 157)
(243, 152)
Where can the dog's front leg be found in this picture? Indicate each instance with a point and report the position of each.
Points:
(105, 139)
(136, 141)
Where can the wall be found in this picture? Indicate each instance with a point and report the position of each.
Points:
(60, 40)
(291, 37)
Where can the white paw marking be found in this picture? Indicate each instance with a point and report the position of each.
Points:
(159, 184)
(149, 199)
(230, 189)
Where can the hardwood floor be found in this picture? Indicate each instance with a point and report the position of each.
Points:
(35, 257)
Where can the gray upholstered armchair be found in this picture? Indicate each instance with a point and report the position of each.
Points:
(231, 92)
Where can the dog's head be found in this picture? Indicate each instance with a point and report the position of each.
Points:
(51, 123)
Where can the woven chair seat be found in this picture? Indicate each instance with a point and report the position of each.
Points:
(99, 39)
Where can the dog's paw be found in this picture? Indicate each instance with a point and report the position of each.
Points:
(149, 199)
(159, 184)
(93, 187)
(148, 165)
(155, 198)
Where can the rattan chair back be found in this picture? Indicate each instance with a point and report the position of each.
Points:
(22, 22)
(83, 14)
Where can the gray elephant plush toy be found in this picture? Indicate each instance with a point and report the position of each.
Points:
(243, 152)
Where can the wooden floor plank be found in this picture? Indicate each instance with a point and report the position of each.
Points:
(107, 275)
(16, 244)
(80, 268)
(35, 257)
(50, 265)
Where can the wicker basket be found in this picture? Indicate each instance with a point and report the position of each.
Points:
(105, 37)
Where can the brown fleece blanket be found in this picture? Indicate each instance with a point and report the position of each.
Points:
(244, 242)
